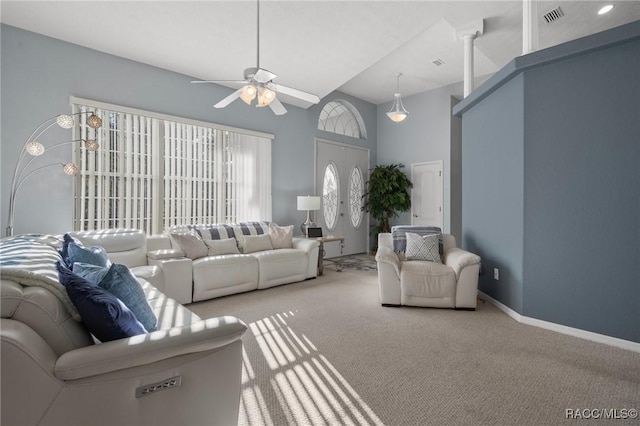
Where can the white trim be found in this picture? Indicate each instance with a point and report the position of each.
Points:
(427, 163)
(128, 110)
(563, 329)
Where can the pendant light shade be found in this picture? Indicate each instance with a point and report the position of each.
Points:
(397, 112)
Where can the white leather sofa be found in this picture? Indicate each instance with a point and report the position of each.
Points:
(451, 284)
(188, 371)
(221, 275)
(150, 258)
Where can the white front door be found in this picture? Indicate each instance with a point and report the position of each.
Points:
(427, 194)
(341, 175)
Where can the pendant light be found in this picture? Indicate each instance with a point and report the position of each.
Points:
(397, 112)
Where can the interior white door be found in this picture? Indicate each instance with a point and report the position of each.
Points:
(341, 175)
(427, 194)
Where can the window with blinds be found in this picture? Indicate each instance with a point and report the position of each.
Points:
(154, 172)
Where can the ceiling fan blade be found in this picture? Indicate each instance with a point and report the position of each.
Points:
(277, 107)
(296, 93)
(226, 101)
(219, 81)
(260, 74)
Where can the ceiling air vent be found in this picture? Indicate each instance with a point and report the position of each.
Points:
(437, 62)
(553, 15)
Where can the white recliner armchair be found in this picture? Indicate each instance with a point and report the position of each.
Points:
(187, 372)
(451, 284)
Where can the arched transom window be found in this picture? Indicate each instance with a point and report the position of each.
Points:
(343, 118)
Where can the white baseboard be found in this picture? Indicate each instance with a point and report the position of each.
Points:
(575, 332)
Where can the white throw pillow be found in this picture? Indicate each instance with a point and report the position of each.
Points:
(191, 244)
(423, 247)
(223, 246)
(253, 243)
(281, 236)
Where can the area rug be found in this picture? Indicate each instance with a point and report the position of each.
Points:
(357, 262)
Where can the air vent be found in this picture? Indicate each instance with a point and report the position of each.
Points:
(553, 15)
(437, 62)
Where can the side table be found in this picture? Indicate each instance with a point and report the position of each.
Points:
(321, 251)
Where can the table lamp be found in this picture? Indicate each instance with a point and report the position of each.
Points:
(308, 203)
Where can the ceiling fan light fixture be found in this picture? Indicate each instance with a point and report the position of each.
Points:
(248, 93)
(397, 113)
(265, 96)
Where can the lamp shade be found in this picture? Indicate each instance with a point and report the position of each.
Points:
(265, 96)
(248, 93)
(308, 202)
(397, 112)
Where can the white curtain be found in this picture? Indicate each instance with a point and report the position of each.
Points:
(250, 175)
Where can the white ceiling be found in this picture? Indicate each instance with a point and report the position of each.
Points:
(356, 47)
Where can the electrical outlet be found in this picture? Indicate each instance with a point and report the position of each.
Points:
(496, 274)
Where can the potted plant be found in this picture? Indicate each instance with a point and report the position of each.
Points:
(387, 195)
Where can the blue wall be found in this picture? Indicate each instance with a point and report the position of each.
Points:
(492, 186)
(582, 198)
(551, 160)
(40, 73)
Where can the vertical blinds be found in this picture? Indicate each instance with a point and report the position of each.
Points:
(152, 173)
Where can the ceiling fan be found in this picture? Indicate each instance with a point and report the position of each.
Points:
(258, 83)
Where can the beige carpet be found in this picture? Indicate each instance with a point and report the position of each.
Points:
(325, 352)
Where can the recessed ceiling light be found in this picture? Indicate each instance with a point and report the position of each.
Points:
(605, 9)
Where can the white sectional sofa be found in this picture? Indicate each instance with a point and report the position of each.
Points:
(215, 275)
(187, 371)
(160, 260)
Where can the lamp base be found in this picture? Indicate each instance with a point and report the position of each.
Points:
(9, 231)
(305, 226)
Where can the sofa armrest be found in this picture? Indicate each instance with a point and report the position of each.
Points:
(458, 259)
(387, 256)
(177, 275)
(305, 244)
(145, 349)
(164, 254)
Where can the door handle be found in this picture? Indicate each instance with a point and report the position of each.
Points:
(415, 215)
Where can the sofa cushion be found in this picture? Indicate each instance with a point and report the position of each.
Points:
(120, 282)
(191, 244)
(398, 235)
(222, 246)
(92, 273)
(123, 245)
(281, 236)
(220, 231)
(64, 248)
(423, 247)
(427, 284)
(281, 266)
(106, 317)
(254, 243)
(95, 255)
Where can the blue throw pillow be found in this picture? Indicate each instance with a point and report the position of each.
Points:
(106, 317)
(64, 249)
(92, 273)
(93, 255)
(120, 282)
